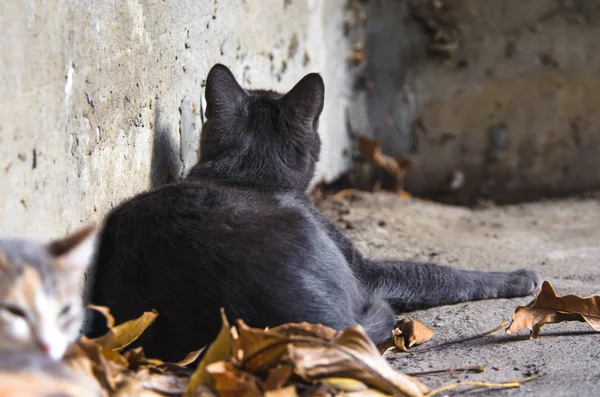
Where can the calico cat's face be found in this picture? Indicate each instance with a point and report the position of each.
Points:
(40, 299)
(261, 137)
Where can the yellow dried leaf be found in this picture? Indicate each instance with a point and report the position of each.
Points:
(191, 357)
(366, 393)
(289, 391)
(409, 332)
(344, 384)
(122, 335)
(549, 308)
(219, 350)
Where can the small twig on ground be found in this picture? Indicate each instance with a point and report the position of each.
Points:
(473, 369)
(505, 385)
(469, 338)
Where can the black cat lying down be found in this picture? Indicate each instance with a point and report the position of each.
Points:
(239, 232)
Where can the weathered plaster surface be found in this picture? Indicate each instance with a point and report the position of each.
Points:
(491, 99)
(100, 100)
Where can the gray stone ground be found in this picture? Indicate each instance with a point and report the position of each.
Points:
(558, 239)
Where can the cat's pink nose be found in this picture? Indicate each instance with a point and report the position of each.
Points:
(44, 347)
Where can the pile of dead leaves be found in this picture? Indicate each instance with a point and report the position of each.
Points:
(289, 360)
(286, 361)
(298, 359)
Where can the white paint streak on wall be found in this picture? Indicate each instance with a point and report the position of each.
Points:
(69, 82)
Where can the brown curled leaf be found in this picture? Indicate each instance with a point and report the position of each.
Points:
(409, 332)
(548, 308)
(371, 149)
(230, 381)
(351, 354)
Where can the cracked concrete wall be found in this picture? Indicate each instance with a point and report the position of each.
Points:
(101, 100)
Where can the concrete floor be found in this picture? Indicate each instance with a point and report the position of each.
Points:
(558, 239)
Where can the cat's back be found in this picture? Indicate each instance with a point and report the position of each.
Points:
(190, 226)
(187, 204)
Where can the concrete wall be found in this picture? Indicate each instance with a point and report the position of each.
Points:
(101, 99)
(491, 99)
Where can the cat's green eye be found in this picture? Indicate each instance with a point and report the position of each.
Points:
(65, 310)
(15, 311)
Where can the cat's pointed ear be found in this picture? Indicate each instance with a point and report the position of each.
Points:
(76, 250)
(307, 97)
(223, 94)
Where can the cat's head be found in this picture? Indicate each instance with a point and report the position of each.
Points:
(40, 297)
(260, 138)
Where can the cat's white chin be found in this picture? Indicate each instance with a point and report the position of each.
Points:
(57, 352)
(52, 343)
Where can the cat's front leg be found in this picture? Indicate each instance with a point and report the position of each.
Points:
(410, 285)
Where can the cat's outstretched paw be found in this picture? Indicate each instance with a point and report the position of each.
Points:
(524, 282)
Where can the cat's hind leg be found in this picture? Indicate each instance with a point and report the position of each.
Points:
(411, 286)
(377, 318)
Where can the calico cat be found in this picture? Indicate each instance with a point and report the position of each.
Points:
(239, 232)
(32, 373)
(41, 308)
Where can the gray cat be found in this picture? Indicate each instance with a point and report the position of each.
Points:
(239, 232)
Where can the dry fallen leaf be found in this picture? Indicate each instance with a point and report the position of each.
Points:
(137, 359)
(344, 384)
(219, 350)
(230, 381)
(105, 311)
(165, 384)
(289, 391)
(120, 336)
(131, 373)
(257, 349)
(409, 332)
(305, 329)
(548, 308)
(371, 149)
(34, 385)
(351, 354)
(191, 357)
(278, 376)
(96, 362)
